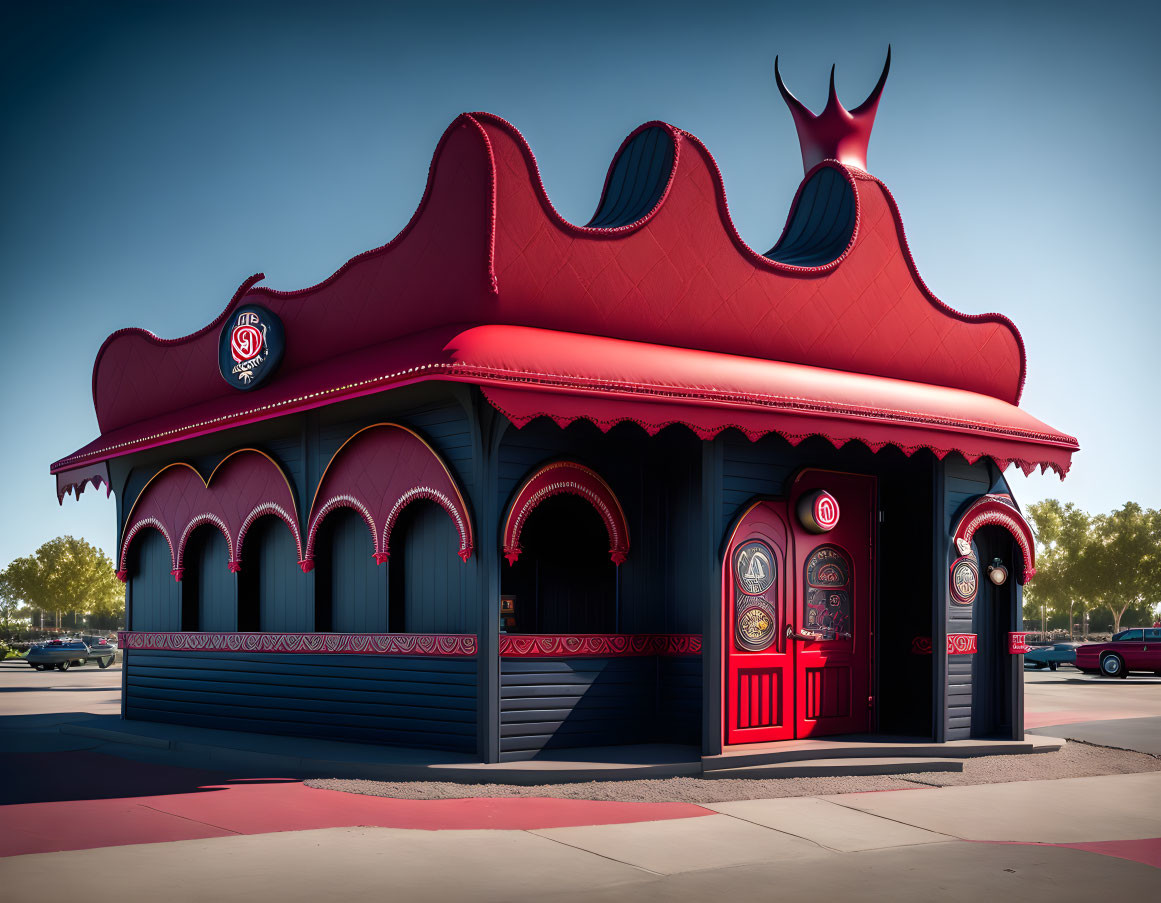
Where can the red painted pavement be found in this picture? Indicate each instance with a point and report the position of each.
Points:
(1146, 850)
(261, 808)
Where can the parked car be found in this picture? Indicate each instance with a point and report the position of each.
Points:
(62, 654)
(1051, 657)
(1136, 649)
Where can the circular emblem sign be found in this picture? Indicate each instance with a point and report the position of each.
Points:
(755, 626)
(965, 580)
(250, 347)
(818, 511)
(754, 568)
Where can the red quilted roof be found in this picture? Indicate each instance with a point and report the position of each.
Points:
(487, 248)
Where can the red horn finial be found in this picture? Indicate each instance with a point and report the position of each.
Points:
(835, 133)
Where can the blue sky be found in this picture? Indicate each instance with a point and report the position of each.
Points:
(155, 154)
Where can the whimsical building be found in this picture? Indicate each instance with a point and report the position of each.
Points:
(507, 483)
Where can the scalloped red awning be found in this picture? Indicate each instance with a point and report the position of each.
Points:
(527, 373)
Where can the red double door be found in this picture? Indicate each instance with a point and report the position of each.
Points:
(797, 608)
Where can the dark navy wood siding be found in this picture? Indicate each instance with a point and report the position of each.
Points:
(679, 699)
(962, 482)
(210, 582)
(429, 583)
(273, 581)
(353, 584)
(398, 700)
(154, 596)
(558, 703)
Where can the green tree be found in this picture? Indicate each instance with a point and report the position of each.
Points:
(1063, 576)
(12, 608)
(1123, 562)
(67, 575)
(1110, 561)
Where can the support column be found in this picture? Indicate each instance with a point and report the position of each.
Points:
(941, 541)
(488, 428)
(709, 543)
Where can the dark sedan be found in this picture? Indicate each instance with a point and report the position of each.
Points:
(62, 654)
(1136, 649)
(1051, 657)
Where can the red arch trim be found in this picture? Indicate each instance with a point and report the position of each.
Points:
(245, 485)
(997, 510)
(378, 471)
(567, 477)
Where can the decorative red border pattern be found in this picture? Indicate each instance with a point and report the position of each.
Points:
(620, 645)
(1018, 643)
(961, 644)
(426, 644)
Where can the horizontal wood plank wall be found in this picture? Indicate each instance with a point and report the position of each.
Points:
(396, 700)
(962, 482)
(679, 699)
(571, 702)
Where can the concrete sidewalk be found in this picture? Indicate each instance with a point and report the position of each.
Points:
(904, 845)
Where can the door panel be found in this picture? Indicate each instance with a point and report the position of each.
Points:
(833, 580)
(759, 664)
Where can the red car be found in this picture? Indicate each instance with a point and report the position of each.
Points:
(1138, 649)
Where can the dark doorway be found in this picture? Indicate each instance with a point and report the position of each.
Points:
(905, 675)
(563, 581)
(994, 682)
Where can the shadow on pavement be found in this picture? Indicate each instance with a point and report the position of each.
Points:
(39, 777)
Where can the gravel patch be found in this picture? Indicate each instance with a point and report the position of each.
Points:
(1075, 760)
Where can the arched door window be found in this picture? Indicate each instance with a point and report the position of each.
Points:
(827, 593)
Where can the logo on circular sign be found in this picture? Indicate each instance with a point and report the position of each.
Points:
(754, 568)
(755, 625)
(965, 580)
(250, 347)
(818, 511)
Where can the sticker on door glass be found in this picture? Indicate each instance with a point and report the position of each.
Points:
(754, 568)
(827, 605)
(755, 624)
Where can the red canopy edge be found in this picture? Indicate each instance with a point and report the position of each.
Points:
(527, 372)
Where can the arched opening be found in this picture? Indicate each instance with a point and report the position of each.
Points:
(350, 590)
(563, 581)
(154, 600)
(996, 613)
(426, 576)
(272, 594)
(207, 587)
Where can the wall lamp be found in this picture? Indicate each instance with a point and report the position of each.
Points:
(997, 573)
